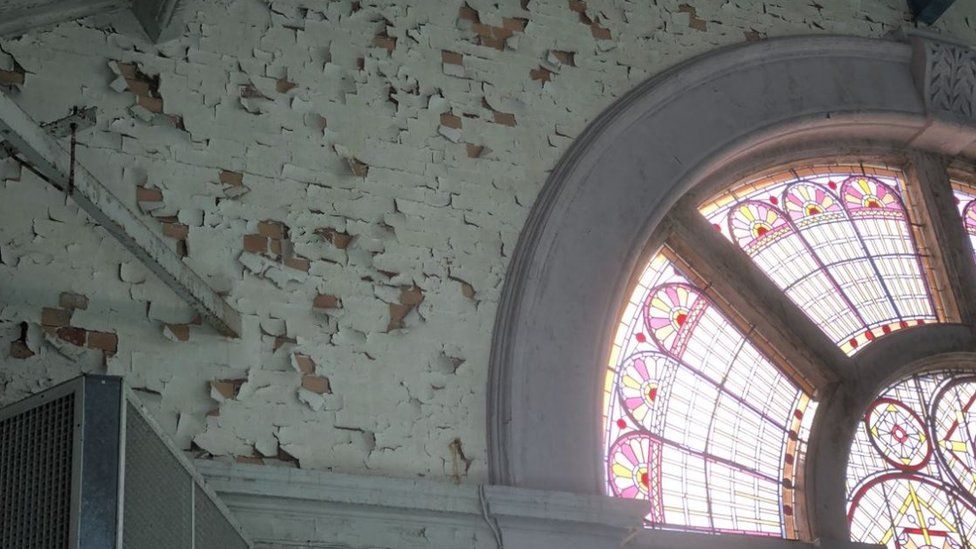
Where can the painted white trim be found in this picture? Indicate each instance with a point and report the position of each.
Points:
(285, 507)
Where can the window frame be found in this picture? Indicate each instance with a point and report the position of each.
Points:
(548, 352)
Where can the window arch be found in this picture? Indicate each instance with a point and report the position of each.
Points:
(911, 477)
(699, 421)
(629, 190)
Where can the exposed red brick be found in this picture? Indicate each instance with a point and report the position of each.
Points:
(451, 121)
(514, 23)
(578, 6)
(128, 70)
(397, 313)
(140, 88)
(273, 229)
(11, 78)
(254, 460)
(504, 118)
(411, 296)
(299, 263)
(283, 85)
(20, 350)
(317, 384)
(326, 301)
(280, 342)
(74, 336)
(179, 231)
(693, 20)
(753, 35)
(231, 178)
(467, 290)
(452, 58)
(386, 42)
(304, 363)
(105, 341)
(276, 247)
(474, 151)
(180, 332)
(482, 30)
(541, 74)
(496, 43)
(55, 317)
(68, 300)
(565, 57)
(255, 243)
(468, 13)
(145, 194)
(152, 104)
(225, 387)
(600, 33)
(358, 168)
(334, 237)
(249, 91)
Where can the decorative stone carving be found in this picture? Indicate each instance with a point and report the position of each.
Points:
(946, 76)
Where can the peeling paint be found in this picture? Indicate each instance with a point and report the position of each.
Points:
(353, 177)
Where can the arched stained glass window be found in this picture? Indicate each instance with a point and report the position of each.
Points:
(699, 422)
(838, 242)
(706, 419)
(911, 477)
(966, 200)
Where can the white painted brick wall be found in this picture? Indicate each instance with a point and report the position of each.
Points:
(431, 210)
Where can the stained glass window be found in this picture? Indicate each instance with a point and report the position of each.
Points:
(838, 242)
(699, 423)
(911, 477)
(966, 200)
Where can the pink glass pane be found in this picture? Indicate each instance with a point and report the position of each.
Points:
(911, 474)
(967, 208)
(840, 246)
(699, 423)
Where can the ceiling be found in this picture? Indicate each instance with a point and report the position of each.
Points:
(20, 16)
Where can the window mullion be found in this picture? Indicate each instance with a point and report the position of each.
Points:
(942, 237)
(747, 296)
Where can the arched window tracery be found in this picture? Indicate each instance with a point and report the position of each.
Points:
(711, 431)
(911, 477)
(700, 423)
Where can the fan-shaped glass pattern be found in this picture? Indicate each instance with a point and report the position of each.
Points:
(838, 243)
(699, 422)
(911, 478)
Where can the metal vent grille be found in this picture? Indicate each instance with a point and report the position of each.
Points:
(35, 476)
(212, 529)
(158, 491)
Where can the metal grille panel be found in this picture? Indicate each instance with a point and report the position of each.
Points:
(158, 510)
(213, 531)
(35, 476)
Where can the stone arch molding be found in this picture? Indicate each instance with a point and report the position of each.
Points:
(739, 108)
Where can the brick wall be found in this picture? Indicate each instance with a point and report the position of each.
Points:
(353, 175)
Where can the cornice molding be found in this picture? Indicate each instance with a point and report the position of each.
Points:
(284, 507)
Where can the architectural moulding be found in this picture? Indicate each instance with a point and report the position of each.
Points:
(284, 507)
(159, 18)
(686, 132)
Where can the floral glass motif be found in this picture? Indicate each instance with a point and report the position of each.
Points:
(838, 243)
(699, 422)
(966, 201)
(911, 478)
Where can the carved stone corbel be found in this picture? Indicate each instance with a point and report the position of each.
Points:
(945, 76)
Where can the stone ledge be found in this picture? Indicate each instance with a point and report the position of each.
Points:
(284, 507)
